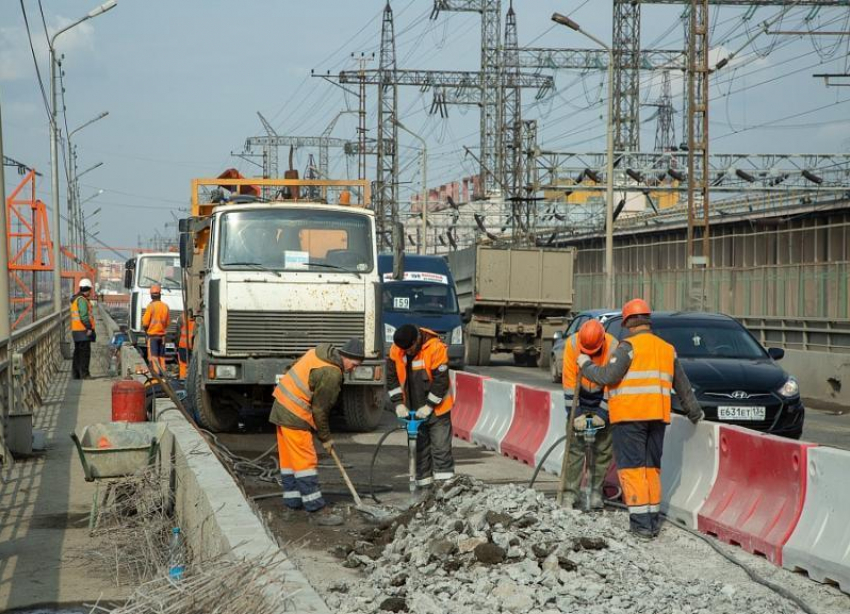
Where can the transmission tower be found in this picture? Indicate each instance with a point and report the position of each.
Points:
(665, 130)
(386, 188)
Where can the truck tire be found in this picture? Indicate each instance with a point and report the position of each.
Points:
(361, 411)
(485, 348)
(545, 354)
(473, 344)
(210, 413)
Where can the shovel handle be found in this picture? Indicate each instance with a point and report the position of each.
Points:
(345, 477)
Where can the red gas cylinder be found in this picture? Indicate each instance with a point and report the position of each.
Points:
(128, 401)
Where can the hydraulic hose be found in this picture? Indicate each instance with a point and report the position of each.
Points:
(374, 458)
(537, 469)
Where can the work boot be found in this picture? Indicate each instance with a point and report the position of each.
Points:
(326, 517)
(596, 502)
(646, 534)
(569, 500)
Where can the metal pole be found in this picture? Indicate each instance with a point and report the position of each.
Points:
(54, 191)
(424, 242)
(5, 315)
(609, 190)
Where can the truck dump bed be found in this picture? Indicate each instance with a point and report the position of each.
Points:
(527, 277)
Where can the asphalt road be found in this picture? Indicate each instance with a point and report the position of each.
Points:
(824, 426)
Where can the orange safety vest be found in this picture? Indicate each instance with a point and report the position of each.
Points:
(186, 333)
(644, 392)
(77, 324)
(156, 318)
(571, 354)
(293, 389)
(432, 354)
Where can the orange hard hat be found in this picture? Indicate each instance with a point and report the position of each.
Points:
(636, 307)
(591, 336)
(156, 289)
(345, 198)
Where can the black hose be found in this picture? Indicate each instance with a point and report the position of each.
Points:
(543, 460)
(375, 457)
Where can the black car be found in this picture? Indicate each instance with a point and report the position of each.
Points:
(735, 379)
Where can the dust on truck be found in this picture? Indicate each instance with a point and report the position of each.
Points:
(268, 280)
(513, 300)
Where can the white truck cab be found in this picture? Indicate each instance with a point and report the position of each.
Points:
(142, 272)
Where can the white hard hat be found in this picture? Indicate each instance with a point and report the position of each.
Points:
(85, 282)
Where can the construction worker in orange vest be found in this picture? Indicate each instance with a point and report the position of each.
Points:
(155, 323)
(641, 375)
(303, 400)
(418, 377)
(82, 330)
(184, 344)
(593, 341)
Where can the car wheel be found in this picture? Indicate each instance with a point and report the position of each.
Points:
(553, 369)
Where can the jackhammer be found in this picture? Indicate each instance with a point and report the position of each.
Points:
(411, 425)
(589, 435)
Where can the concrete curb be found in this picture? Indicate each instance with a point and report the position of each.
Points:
(214, 513)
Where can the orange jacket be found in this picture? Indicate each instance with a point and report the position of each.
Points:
(155, 320)
(644, 392)
(293, 388)
(591, 395)
(77, 323)
(187, 333)
(435, 388)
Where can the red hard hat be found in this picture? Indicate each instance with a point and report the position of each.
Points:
(636, 307)
(156, 289)
(591, 336)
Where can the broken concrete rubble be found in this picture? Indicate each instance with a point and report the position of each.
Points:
(509, 549)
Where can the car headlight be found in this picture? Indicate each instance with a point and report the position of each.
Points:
(389, 331)
(363, 373)
(790, 388)
(457, 335)
(225, 371)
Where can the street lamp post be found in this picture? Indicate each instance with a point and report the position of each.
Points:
(423, 241)
(54, 150)
(74, 211)
(609, 188)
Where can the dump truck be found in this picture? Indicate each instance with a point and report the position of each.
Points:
(513, 300)
(140, 273)
(268, 278)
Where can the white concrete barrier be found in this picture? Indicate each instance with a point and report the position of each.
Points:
(688, 468)
(496, 416)
(557, 429)
(820, 544)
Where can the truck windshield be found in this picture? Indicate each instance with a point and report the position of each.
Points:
(408, 297)
(296, 240)
(162, 270)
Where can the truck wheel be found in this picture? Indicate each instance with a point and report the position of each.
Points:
(473, 344)
(545, 354)
(210, 413)
(485, 348)
(361, 411)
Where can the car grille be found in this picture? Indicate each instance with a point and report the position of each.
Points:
(289, 333)
(730, 395)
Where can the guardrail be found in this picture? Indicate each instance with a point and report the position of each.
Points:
(809, 334)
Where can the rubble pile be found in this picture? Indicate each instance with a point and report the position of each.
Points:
(473, 548)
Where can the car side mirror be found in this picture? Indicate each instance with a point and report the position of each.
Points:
(776, 353)
(557, 335)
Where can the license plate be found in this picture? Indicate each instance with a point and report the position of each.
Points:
(169, 346)
(741, 413)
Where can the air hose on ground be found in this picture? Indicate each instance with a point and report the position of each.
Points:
(375, 458)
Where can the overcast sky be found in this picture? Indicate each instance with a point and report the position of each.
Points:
(183, 80)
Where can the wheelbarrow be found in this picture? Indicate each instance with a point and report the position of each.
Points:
(113, 450)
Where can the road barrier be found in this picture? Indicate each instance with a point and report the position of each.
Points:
(757, 497)
(688, 468)
(820, 545)
(469, 400)
(556, 429)
(498, 413)
(529, 425)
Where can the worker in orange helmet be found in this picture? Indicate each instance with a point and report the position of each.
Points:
(641, 375)
(155, 323)
(591, 340)
(186, 328)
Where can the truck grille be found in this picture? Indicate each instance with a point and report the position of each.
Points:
(289, 333)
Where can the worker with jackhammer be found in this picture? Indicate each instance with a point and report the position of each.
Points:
(418, 378)
(303, 400)
(641, 375)
(155, 323)
(591, 340)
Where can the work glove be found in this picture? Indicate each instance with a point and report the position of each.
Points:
(583, 359)
(580, 423)
(423, 412)
(597, 421)
(696, 417)
(328, 445)
(401, 411)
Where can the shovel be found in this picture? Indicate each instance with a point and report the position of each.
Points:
(373, 512)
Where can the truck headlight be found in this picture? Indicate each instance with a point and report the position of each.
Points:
(790, 388)
(457, 335)
(363, 373)
(389, 331)
(225, 371)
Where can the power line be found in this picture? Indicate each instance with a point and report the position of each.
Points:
(35, 63)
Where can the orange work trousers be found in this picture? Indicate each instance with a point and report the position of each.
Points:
(299, 474)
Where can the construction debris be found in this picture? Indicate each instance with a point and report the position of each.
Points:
(472, 548)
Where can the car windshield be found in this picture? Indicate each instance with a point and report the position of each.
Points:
(296, 240)
(407, 297)
(162, 270)
(708, 339)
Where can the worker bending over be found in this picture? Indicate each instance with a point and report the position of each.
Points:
(593, 341)
(641, 375)
(418, 377)
(184, 344)
(82, 330)
(155, 323)
(304, 397)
